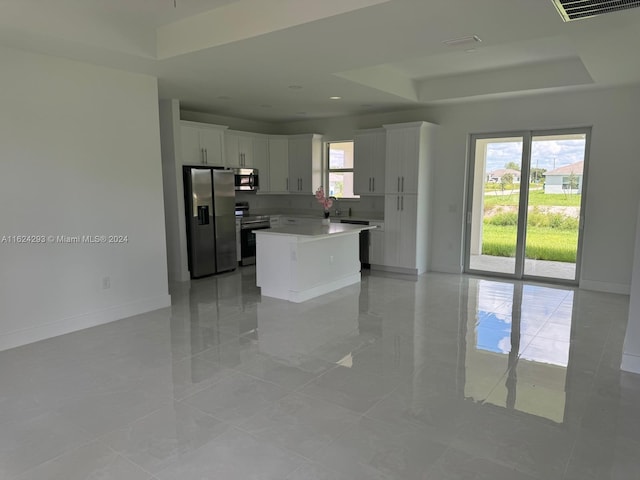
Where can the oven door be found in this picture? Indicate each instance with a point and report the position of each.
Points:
(248, 242)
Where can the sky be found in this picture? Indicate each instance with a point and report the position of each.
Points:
(547, 154)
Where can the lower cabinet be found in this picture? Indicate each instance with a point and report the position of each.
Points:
(403, 231)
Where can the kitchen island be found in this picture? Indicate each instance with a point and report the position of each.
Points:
(300, 262)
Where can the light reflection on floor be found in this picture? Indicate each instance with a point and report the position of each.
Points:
(443, 377)
(524, 329)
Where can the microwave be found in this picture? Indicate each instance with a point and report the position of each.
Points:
(246, 179)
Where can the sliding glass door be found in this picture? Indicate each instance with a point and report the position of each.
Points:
(524, 211)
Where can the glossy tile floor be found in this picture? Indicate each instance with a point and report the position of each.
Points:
(447, 377)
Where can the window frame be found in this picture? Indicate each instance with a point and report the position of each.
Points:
(329, 170)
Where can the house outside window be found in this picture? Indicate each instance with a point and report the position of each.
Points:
(340, 169)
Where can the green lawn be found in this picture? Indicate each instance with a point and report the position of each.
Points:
(550, 236)
(543, 243)
(536, 198)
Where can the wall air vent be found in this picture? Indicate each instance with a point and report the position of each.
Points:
(571, 10)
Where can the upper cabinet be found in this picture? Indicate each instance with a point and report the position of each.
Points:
(278, 165)
(201, 144)
(369, 162)
(260, 160)
(407, 146)
(239, 149)
(305, 163)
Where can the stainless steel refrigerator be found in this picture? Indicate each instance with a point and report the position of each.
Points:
(210, 200)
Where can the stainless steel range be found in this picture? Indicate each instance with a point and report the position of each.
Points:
(248, 224)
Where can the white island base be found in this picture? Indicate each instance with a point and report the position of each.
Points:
(301, 262)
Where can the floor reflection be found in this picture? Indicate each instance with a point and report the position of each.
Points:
(524, 331)
(443, 377)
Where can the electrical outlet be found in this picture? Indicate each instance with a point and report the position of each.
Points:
(106, 283)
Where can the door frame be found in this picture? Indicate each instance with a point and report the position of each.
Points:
(527, 137)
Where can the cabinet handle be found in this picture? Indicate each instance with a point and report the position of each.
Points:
(398, 183)
(398, 203)
(202, 154)
(369, 183)
(403, 184)
(402, 203)
(374, 184)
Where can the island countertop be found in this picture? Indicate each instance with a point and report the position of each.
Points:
(315, 231)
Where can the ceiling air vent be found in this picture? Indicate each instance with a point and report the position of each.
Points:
(577, 9)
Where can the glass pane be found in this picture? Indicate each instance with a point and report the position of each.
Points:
(496, 193)
(557, 163)
(341, 184)
(341, 155)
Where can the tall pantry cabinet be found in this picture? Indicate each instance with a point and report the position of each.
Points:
(409, 158)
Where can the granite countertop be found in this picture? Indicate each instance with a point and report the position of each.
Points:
(318, 230)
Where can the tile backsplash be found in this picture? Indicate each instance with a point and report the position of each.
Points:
(365, 207)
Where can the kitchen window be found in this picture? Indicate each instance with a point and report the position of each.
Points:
(340, 169)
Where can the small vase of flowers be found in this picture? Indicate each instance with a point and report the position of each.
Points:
(326, 203)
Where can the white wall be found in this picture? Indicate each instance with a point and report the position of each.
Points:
(79, 155)
(631, 347)
(614, 168)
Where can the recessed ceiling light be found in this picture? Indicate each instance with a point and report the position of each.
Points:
(224, 97)
(335, 98)
(454, 42)
(295, 87)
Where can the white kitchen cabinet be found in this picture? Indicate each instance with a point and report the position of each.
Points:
(261, 160)
(201, 143)
(239, 149)
(278, 170)
(369, 162)
(407, 150)
(305, 163)
(409, 159)
(401, 232)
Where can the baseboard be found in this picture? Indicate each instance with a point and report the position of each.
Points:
(80, 322)
(386, 268)
(630, 363)
(608, 287)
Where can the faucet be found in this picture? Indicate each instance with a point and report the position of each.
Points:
(337, 212)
